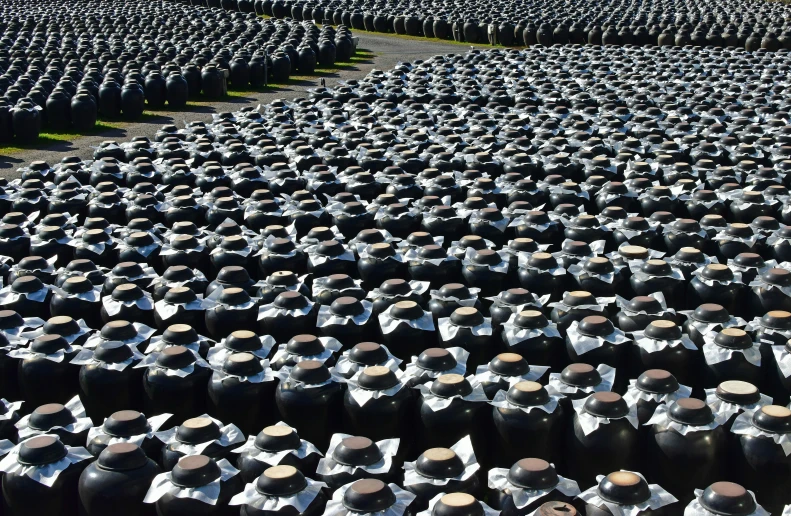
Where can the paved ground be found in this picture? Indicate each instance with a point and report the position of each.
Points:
(387, 51)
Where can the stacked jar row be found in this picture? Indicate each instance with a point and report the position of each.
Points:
(65, 64)
(573, 420)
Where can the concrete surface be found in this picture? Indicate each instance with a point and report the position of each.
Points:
(387, 52)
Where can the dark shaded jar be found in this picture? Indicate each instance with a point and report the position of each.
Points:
(179, 276)
(529, 423)
(624, 489)
(28, 297)
(738, 238)
(235, 310)
(117, 482)
(241, 392)
(574, 307)
(14, 241)
(97, 247)
(23, 494)
(456, 504)
(306, 347)
(287, 482)
(431, 263)
(233, 251)
(686, 447)
(486, 270)
(185, 251)
(280, 254)
(76, 333)
(733, 397)
(573, 252)
(726, 498)
(9, 415)
(362, 355)
(175, 384)
(109, 382)
(361, 455)
(449, 409)
(715, 283)
(683, 233)
(369, 495)
(127, 426)
(32, 266)
(289, 315)
(610, 346)
(596, 275)
(610, 447)
(328, 289)
(504, 370)
(276, 445)
(140, 247)
(398, 219)
(199, 433)
(443, 221)
(407, 329)
(39, 373)
(392, 291)
(67, 421)
(78, 299)
(9, 366)
(193, 472)
(278, 282)
(311, 402)
(730, 355)
(434, 362)
(128, 302)
(541, 274)
(180, 306)
(516, 248)
(663, 346)
(705, 319)
(379, 262)
(450, 297)
(530, 334)
(330, 257)
(180, 335)
(658, 276)
(468, 329)
(348, 320)
(457, 473)
(232, 277)
(770, 294)
(377, 405)
(128, 273)
(640, 311)
(652, 388)
(763, 464)
(531, 475)
(52, 242)
(538, 226)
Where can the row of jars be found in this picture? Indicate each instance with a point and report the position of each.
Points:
(638, 332)
(687, 443)
(312, 388)
(43, 474)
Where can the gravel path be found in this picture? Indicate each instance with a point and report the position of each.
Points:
(387, 51)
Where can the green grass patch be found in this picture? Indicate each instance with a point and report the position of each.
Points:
(50, 138)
